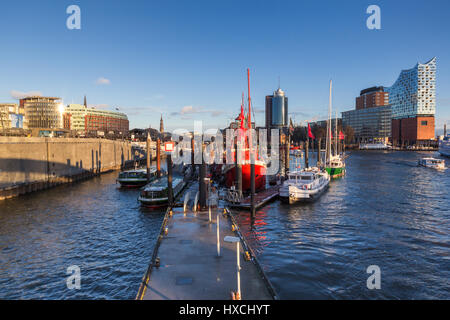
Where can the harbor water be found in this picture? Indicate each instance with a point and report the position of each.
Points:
(386, 212)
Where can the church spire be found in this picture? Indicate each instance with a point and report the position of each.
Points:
(161, 125)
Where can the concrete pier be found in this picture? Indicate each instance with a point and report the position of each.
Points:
(186, 265)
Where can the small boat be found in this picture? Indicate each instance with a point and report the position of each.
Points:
(432, 163)
(335, 167)
(335, 163)
(304, 185)
(156, 193)
(444, 146)
(135, 178)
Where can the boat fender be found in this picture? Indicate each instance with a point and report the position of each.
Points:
(157, 262)
(166, 231)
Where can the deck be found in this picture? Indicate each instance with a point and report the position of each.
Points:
(190, 267)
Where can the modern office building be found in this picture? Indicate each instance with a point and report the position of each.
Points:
(371, 124)
(43, 112)
(277, 110)
(80, 118)
(413, 101)
(371, 118)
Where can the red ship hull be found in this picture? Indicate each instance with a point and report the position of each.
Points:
(260, 177)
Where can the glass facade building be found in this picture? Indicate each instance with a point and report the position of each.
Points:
(414, 92)
(277, 110)
(43, 112)
(370, 124)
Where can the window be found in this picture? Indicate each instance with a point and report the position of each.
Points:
(424, 123)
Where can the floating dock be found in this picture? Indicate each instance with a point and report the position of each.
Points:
(261, 199)
(186, 266)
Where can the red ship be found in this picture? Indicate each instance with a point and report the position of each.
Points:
(229, 170)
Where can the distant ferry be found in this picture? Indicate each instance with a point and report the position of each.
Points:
(444, 146)
(374, 146)
(432, 163)
(156, 193)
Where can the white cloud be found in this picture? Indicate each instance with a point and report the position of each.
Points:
(103, 81)
(20, 95)
(187, 110)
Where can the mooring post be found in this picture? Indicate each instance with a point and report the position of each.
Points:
(307, 153)
(218, 236)
(319, 162)
(169, 179)
(158, 157)
(149, 157)
(252, 184)
(287, 147)
(238, 169)
(192, 156)
(202, 183)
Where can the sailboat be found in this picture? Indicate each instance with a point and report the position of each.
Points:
(334, 164)
(229, 170)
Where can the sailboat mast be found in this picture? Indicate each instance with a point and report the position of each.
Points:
(329, 125)
(336, 136)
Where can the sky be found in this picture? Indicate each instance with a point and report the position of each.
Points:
(187, 60)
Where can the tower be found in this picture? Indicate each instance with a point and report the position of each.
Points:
(161, 125)
(85, 102)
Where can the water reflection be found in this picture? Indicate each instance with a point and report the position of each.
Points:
(386, 211)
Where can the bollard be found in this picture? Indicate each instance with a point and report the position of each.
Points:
(186, 200)
(209, 213)
(218, 236)
(195, 202)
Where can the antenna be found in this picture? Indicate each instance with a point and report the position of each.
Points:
(279, 82)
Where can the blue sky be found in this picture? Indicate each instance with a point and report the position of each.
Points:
(188, 59)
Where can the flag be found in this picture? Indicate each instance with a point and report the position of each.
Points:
(341, 135)
(310, 134)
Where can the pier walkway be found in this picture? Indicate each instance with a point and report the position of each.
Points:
(189, 266)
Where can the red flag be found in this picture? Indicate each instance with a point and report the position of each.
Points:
(310, 134)
(341, 135)
(242, 117)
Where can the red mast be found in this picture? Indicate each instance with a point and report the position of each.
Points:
(249, 101)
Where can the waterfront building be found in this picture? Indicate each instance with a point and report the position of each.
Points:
(80, 118)
(43, 112)
(277, 110)
(11, 116)
(413, 101)
(372, 97)
(371, 124)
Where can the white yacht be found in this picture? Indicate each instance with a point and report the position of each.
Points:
(304, 185)
(432, 163)
(444, 146)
